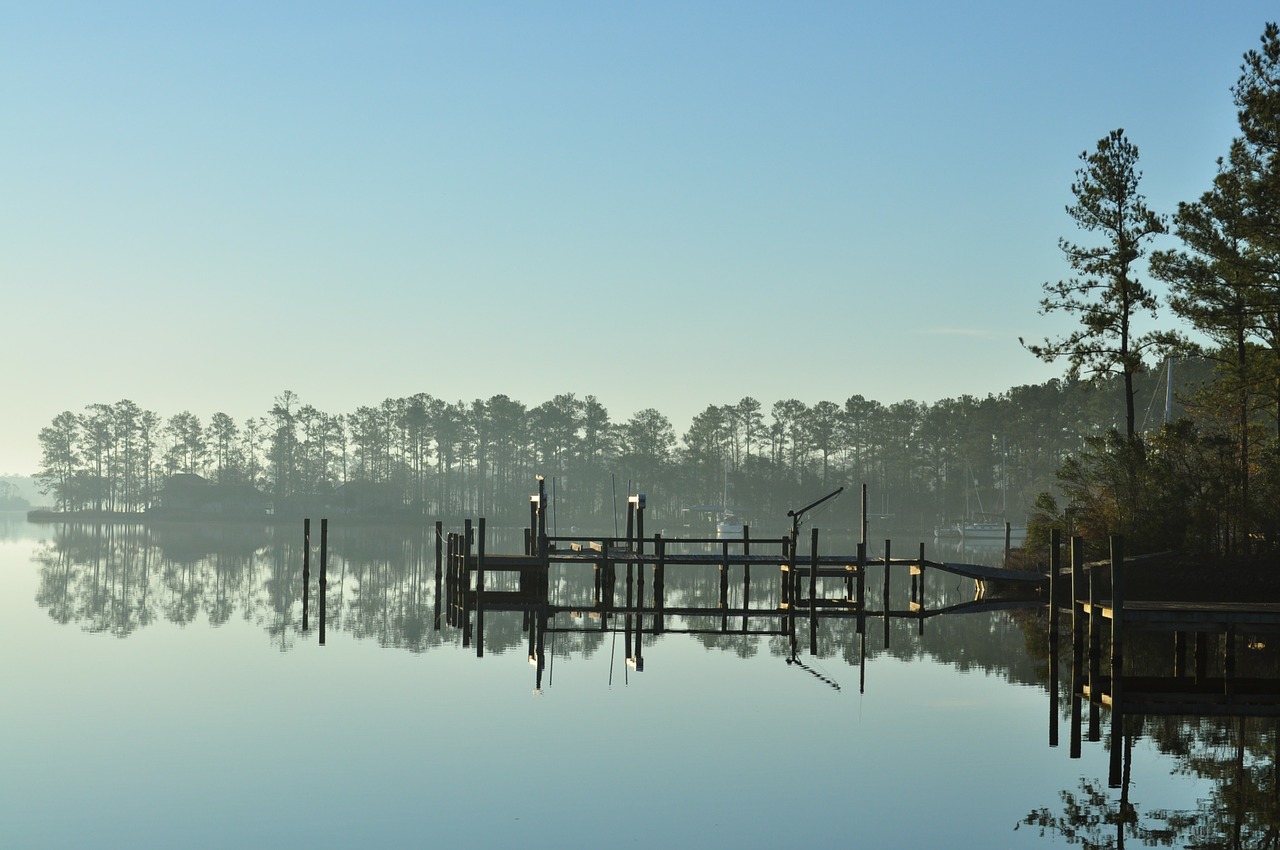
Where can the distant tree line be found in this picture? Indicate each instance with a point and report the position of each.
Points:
(922, 462)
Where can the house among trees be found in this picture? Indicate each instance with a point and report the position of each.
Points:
(187, 494)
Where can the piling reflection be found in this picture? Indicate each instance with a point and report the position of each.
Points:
(1217, 712)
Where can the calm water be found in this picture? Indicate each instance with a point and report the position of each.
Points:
(159, 691)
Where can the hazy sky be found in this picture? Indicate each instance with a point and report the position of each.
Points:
(663, 204)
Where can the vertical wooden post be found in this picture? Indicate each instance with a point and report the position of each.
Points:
(659, 583)
(631, 523)
(813, 568)
(789, 586)
(920, 568)
(324, 578)
(640, 527)
(1095, 635)
(1117, 659)
(813, 591)
(886, 593)
(886, 580)
(1053, 684)
(639, 658)
(480, 590)
(306, 570)
(1008, 533)
(608, 580)
(746, 574)
(1117, 611)
(1055, 564)
(724, 574)
(439, 562)
(542, 522)
(448, 581)
(1076, 717)
(863, 526)
(465, 597)
(1077, 610)
(862, 588)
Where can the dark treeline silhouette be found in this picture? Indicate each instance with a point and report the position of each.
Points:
(420, 456)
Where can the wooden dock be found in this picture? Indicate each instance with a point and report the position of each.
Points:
(775, 584)
(1190, 690)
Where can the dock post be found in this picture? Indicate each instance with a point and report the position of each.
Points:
(813, 592)
(464, 584)
(1095, 636)
(306, 570)
(1053, 684)
(1076, 717)
(448, 581)
(789, 586)
(746, 574)
(1008, 533)
(640, 526)
(863, 526)
(861, 589)
(1117, 609)
(659, 583)
(813, 567)
(609, 580)
(1117, 658)
(886, 593)
(439, 560)
(724, 574)
(631, 523)
(324, 577)
(920, 601)
(1077, 594)
(542, 522)
(1055, 564)
(480, 590)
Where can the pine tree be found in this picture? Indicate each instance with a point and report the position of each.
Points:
(1106, 296)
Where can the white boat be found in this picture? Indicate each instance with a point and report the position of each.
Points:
(729, 525)
(948, 532)
(991, 531)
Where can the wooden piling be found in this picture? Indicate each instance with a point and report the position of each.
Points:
(1055, 564)
(439, 564)
(813, 592)
(861, 589)
(306, 570)
(863, 526)
(1077, 594)
(324, 578)
(724, 573)
(464, 582)
(886, 593)
(746, 575)
(659, 583)
(480, 590)
(920, 569)
(1117, 608)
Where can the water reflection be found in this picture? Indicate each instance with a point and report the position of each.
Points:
(123, 579)
(1208, 698)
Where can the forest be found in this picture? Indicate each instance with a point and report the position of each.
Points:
(1092, 453)
(922, 462)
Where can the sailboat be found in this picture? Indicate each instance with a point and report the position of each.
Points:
(727, 523)
(986, 527)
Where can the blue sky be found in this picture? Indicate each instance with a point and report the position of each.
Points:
(663, 204)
